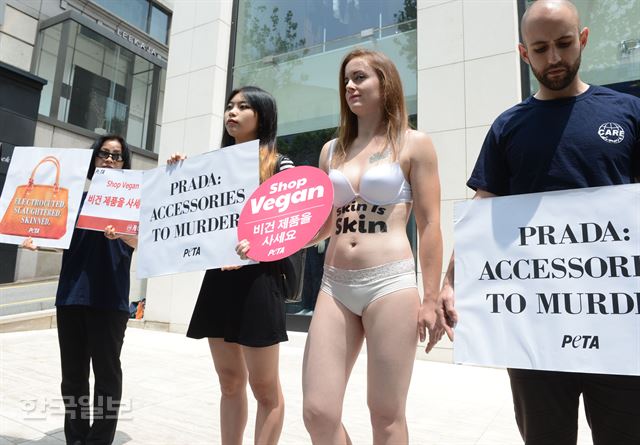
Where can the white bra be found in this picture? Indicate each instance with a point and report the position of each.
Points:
(382, 184)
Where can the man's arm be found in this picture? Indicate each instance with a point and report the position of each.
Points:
(447, 314)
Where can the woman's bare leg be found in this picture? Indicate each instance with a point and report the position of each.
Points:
(232, 374)
(262, 364)
(333, 343)
(391, 329)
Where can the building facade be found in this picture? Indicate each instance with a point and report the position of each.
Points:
(102, 67)
(458, 60)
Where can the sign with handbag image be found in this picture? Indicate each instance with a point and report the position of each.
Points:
(41, 195)
(38, 209)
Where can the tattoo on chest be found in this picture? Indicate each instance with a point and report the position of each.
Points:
(379, 156)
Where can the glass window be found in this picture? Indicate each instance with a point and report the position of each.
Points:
(95, 79)
(303, 149)
(161, 86)
(104, 87)
(134, 12)
(612, 54)
(159, 25)
(293, 49)
(269, 27)
(46, 65)
(142, 14)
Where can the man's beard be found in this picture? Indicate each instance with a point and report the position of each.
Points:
(559, 83)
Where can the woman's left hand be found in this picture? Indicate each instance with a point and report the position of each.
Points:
(29, 244)
(242, 248)
(428, 321)
(110, 233)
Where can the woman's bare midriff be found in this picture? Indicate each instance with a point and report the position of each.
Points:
(362, 239)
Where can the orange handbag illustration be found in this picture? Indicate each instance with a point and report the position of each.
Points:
(38, 210)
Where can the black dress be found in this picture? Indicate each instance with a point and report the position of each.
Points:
(244, 306)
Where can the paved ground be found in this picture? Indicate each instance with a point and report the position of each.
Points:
(171, 396)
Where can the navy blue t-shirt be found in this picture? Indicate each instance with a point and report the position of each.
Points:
(95, 272)
(589, 140)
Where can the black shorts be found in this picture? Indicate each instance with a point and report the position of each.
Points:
(244, 306)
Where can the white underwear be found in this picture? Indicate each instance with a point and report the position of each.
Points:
(357, 289)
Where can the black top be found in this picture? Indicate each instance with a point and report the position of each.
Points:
(589, 140)
(95, 272)
(246, 305)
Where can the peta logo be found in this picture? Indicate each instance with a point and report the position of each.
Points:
(611, 132)
(581, 342)
(191, 251)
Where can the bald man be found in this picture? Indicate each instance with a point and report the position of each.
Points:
(555, 140)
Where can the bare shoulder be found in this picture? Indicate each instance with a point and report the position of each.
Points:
(419, 146)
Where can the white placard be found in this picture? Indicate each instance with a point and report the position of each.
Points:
(190, 210)
(47, 209)
(550, 281)
(113, 199)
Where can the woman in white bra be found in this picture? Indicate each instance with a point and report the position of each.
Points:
(378, 167)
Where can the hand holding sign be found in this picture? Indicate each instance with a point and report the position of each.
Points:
(550, 281)
(285, 213)
(41, 195)
(113, 199)
(190, 210)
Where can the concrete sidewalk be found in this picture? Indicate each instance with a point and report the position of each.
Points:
(171, 396)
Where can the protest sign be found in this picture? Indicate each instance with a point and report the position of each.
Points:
(41, 195)
(113, 199)
(286, 212)
(189, 211)
(550, 281)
